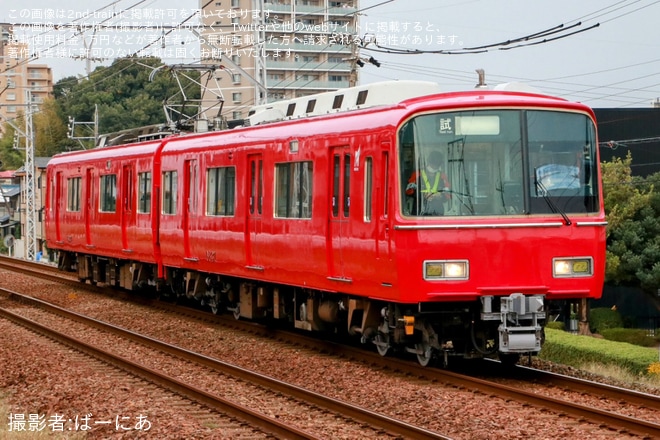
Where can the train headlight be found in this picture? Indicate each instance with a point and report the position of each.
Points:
(446, 270)
(572, 267)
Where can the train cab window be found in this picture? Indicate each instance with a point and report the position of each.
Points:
(220, 191)
(108, 193)
(169, 192)
(144, 192)
(497, 162)
(73, 194)
(561, 154)
(293, 190)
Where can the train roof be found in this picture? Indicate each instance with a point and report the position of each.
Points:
(371, 118)
(386, 93)
(413, 97)
(352, 98)
(137, 149)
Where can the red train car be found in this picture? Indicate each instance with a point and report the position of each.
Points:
(442, 225)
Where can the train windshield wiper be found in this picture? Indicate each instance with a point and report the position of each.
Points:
(553, 206)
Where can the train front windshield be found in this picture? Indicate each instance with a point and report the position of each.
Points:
(498, 162)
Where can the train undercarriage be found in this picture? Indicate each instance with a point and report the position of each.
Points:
(503, 327)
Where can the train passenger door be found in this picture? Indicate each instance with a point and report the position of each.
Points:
(338, 211)
(88, 198)
(191, 183)
(255, 212)
(126, 206)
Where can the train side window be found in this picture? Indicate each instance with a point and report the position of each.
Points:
(221, 191)
(368, 188)
(256, 185)
(260, 194)
(108, 194)
(385, 183)
(50, 197)
(347, 184)
(341, 184)
(293, 190)
(335, 187)
(191, 193)
(127, 190)
(73, 194)
(144, 192)
(169, 192)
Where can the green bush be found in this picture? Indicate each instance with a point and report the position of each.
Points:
(557, 325)
(630, 335)
(604, 318)
(576, 351)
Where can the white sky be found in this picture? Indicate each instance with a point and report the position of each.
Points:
(616, 64)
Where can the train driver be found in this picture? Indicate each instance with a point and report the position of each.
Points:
(429, 188)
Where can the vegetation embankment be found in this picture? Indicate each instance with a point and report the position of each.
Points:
(633, 351)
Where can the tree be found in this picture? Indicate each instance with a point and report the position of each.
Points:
(50, 135)
(129, 94)
(633, 233)
(10, 157)
(50, 132)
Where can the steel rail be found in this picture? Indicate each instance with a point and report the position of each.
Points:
(594, 415)
(371, 418)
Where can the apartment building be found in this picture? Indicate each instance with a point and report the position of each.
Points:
(272, 50)
(18, 75)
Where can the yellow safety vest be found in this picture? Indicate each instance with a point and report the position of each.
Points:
(427, 184)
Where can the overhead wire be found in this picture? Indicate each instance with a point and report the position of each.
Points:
(620, 9)
(461, 78)
(534, 38)
(468, 77)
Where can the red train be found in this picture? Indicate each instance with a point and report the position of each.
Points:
(442, 225)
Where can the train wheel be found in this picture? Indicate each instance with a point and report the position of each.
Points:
(212, 299)
(382, 342)
(424, 353)
(213, 304)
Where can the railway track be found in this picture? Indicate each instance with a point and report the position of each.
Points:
(110, 383)
(280, 393)
(565, 407)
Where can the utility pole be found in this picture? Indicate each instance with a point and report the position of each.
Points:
(30, 189)
(260, 87)
(93, 126)
(356, 60)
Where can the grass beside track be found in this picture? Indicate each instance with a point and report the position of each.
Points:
(602, 356)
